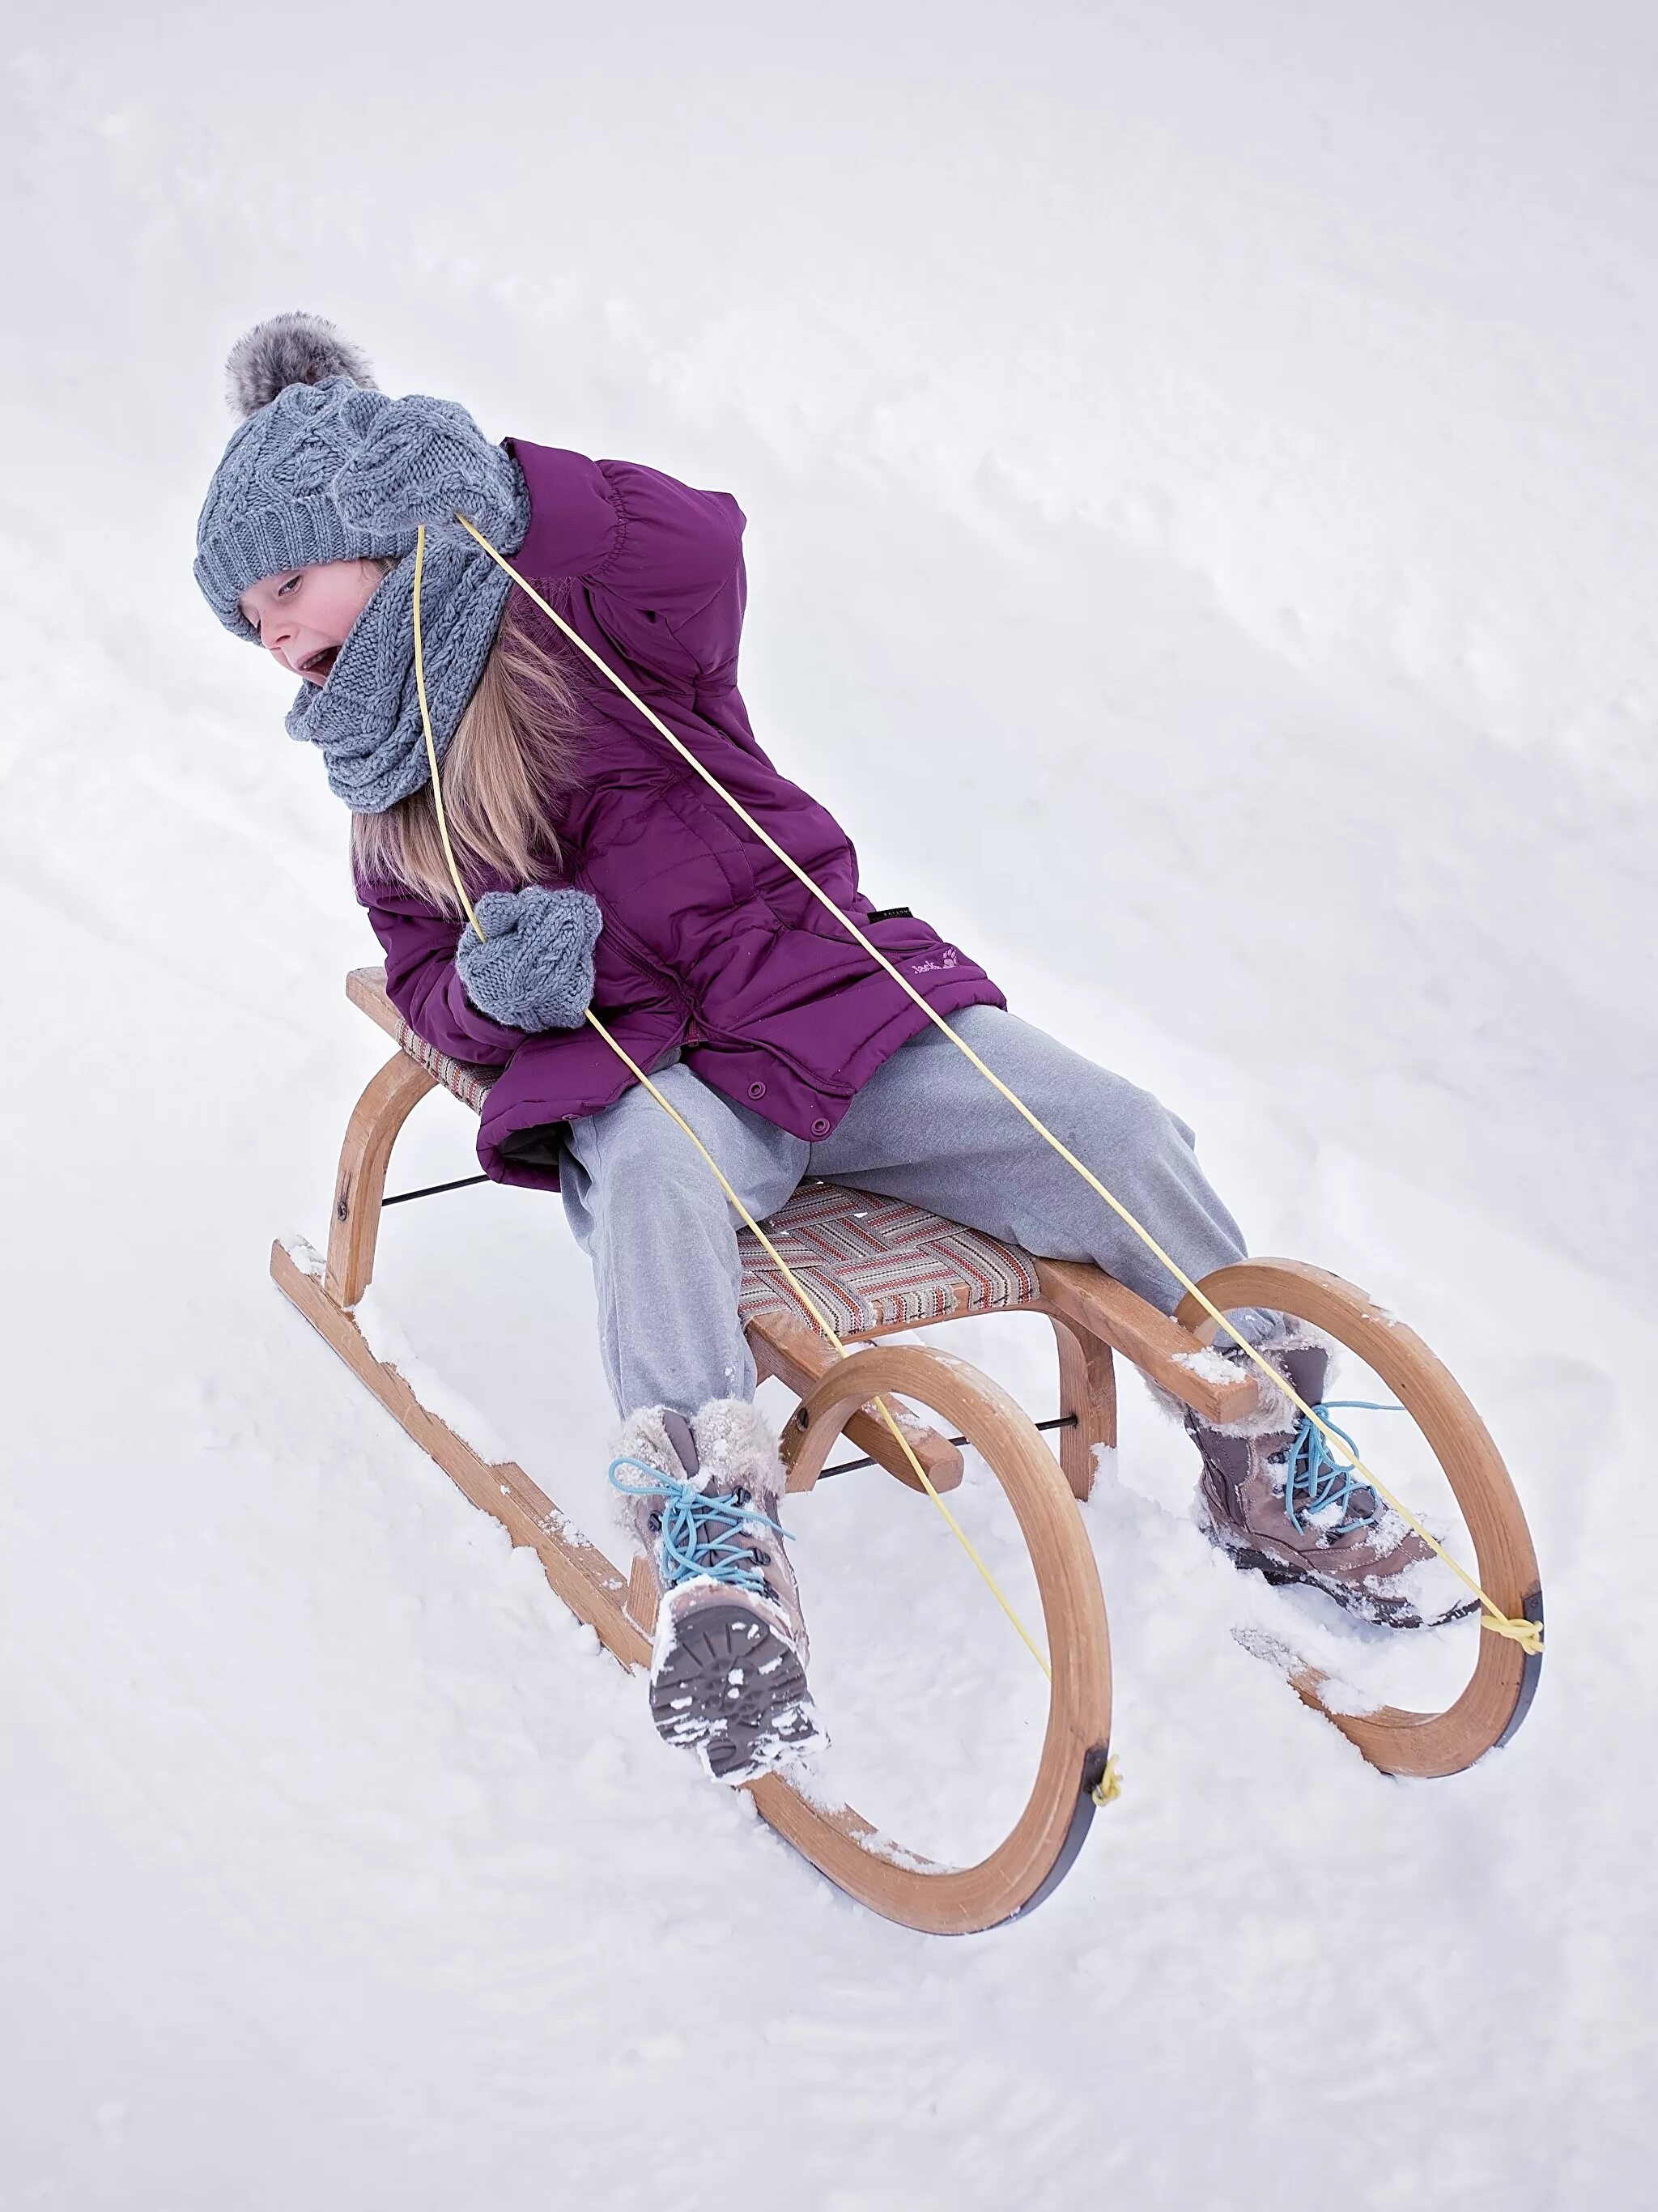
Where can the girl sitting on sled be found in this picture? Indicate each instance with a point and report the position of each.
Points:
(604, 872)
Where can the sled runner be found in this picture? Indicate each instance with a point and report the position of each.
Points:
(879, 1268)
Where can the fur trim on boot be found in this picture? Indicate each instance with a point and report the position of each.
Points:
(1272, 1498)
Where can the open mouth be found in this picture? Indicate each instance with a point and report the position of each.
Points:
(315, 665)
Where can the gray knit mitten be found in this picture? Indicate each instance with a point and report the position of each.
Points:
(533, 967)
(424, 460)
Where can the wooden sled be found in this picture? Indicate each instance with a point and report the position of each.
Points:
(881, 1269)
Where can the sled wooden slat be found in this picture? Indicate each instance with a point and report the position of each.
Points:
(1104, 1310)
(366, 988)
(1088, 1402)
(359, 1188)
(578, 1570)
(788, 1348)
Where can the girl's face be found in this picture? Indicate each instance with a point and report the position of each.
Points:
(303, 616)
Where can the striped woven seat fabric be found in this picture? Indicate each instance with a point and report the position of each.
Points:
(470, 1083)
(874, 1263)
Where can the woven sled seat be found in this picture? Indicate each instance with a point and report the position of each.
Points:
(871, 1263)
(470, 1083)
(874, 1264)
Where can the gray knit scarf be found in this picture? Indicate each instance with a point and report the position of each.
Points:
(425, 459)
(365, 720)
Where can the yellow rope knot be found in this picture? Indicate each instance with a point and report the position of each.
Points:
(1527, 1634)
(1108, 1788)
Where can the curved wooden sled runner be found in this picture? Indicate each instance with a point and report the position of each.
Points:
(880, 1269)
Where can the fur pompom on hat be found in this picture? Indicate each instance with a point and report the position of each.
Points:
(290, 350)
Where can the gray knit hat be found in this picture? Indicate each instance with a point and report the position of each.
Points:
(311, 402)
(328, 468)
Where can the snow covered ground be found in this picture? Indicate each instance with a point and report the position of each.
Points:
(1200, 465)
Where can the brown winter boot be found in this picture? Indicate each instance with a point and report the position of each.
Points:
(1273, 1496)
(728, 1660)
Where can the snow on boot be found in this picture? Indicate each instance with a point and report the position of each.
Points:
(1274, 1496)
(728, 1660)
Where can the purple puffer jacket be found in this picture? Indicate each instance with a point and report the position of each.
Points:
(708, 943)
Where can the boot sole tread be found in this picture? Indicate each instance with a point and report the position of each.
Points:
(733, 1724)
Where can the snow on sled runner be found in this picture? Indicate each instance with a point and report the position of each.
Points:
(882, 1269)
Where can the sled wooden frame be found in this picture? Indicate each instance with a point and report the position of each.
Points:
(1093, 1317)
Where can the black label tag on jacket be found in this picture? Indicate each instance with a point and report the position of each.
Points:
(892, 914)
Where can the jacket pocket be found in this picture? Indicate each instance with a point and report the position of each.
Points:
(714, 825)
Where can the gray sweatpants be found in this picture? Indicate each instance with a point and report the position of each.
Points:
(927, 1128)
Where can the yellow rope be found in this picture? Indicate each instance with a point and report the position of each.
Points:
(812, 1311)
(1526, 1633)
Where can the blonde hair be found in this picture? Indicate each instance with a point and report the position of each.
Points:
(512, 751)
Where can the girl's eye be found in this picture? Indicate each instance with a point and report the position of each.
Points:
(282, 589)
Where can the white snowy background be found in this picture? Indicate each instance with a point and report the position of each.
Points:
(1200, 465)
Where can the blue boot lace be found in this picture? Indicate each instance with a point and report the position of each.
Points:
(700, 1534)
(1313, 1478)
